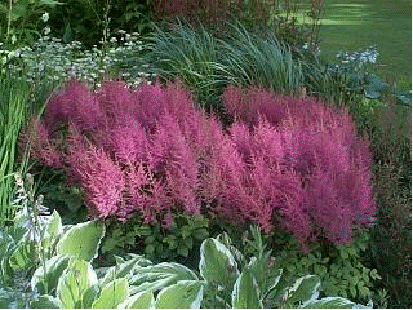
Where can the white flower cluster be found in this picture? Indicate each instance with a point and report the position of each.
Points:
(368, 55)
(51, 61)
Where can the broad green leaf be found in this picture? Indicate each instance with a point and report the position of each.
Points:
(304, 289)
(186, 294)
(82, 241)
(159, 276)
(49, 276)
(23, 256)
(112, 295)
(123, 269)
(332, 303)
(246, 293)
(54, 227)
(46, 302)
(217, 264)
(77, 287)
(142, 300)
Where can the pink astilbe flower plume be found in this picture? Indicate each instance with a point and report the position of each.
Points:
(126, 140)
(42, 148)
(116, 99)
(174, 163)
(99, 175)
(151, 105)
(75, 103)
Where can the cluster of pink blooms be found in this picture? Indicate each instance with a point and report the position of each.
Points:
(152, 151)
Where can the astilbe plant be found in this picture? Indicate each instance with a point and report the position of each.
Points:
(320, 145)
(151, 151)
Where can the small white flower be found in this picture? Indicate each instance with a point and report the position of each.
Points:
(46, 30)
(45, 17)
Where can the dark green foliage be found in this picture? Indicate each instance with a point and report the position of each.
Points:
(340, 268)
(91, 21)
(178, 243)
(390, 252)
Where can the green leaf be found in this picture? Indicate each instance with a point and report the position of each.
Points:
(123, 269)
(159, 276)
(329, 303)
(305, 288)
(186, 294)
(150, 249)
(23, 256)
(46, 302)
(188, 242)
(50, 2)
(201, 234)
(183, 250)
(217, 264)
(77, 287)
(54, 227)
(49, 274)
(112, 295)
(141, 300)
(245, 294)
(353, 291)
(82, 241)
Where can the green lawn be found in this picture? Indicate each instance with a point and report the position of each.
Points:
(355, 24)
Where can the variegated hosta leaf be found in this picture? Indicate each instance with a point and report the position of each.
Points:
(226, 240)
(124, 269)
(23, 256)
(49, 273)
(217, 264)
(246, 294)
(112, 295)
(78, 285)
(159, 276)
(332, 303)
(82, 241)
(304, 289)
(142, 300)
(186, 294)
(54, 226)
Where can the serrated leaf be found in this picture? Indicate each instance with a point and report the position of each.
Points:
(186, 294)
(82, 241)
(77, 287)
(217, 264)
(305, 288)
(49, 274)
(142, 300)
(245, 294)
(112, 295)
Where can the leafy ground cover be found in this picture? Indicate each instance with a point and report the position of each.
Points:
(156, 191)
